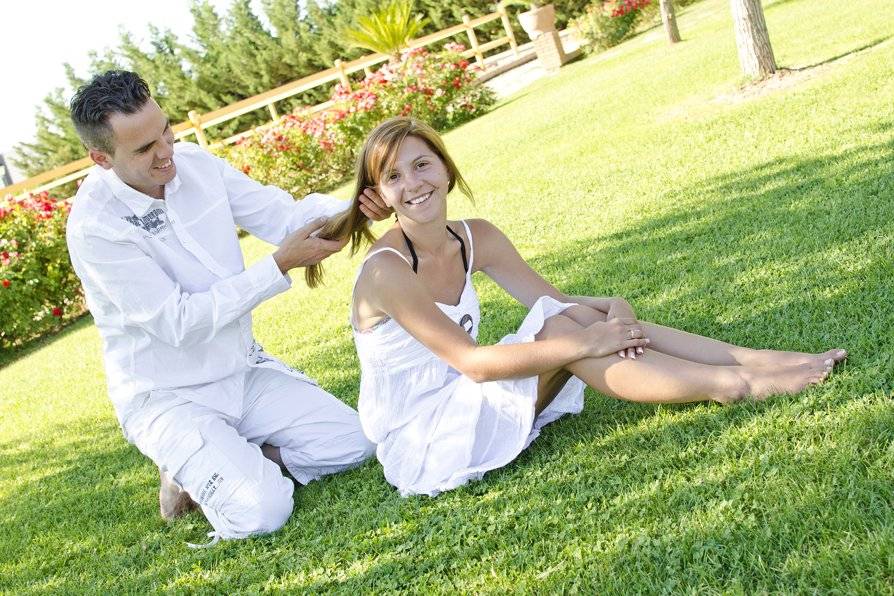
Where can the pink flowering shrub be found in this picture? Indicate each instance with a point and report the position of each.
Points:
(607, 23)
(38, 288)
(306, 153)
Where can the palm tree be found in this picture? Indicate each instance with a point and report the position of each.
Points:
(387, 31)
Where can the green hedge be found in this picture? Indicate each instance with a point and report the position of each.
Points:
(303, 154)
(38, 288)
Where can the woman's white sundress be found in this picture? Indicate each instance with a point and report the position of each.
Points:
(436, 429)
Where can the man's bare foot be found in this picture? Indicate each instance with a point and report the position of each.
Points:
(777, 380)
(173, 501)
(776, 358)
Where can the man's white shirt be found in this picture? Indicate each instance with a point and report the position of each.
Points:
(166, 281)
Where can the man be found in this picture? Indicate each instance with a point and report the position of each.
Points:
(152, 235)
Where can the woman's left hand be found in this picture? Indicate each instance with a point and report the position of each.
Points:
(621, 309)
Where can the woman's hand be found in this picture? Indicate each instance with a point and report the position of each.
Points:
(614, 336)
(621, 309)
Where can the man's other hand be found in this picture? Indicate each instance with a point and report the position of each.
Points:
(372, 205)
(302, 248)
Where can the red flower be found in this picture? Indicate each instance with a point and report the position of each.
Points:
(6, 283)
(246, 169)
(57, 312)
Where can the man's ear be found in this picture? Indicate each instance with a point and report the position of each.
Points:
(101, 158)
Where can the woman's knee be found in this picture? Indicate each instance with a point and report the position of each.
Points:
(556, 325)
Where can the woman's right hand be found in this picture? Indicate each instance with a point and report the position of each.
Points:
(615, 336)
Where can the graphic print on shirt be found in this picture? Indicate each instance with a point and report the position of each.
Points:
(152, 222)
(466, 323)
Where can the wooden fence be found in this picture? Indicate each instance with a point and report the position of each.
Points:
(197, 122)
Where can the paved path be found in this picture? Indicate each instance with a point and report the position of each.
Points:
(519, 77)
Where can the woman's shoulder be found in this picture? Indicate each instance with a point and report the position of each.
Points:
(390, 240)
(481, 227)
(485, 233)
(385, 254)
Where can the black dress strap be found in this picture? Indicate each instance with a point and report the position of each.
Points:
(412, 251)
(462, 250)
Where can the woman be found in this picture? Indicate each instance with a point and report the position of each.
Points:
(444, 409)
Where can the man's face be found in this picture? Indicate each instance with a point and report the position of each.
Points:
(144, 150)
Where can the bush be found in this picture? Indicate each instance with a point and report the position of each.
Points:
(38, 287)
(39, 290)
(306, 153)
(606, 24)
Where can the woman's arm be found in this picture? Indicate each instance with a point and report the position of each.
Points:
(614, 308)
(498, 258)
(388, 286)
(501, 262)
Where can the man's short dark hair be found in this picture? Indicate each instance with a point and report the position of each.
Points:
(114, 91)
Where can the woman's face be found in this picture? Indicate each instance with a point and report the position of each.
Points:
(416, 185)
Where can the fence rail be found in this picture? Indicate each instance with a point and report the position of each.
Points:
(340, 72)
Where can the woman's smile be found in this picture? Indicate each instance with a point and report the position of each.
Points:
(420, 199)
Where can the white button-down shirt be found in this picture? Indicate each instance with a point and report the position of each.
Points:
(166, 282)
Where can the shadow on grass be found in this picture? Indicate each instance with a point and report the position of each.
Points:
(701, 495)
(856, 50)
(800, 248)
(783, 495)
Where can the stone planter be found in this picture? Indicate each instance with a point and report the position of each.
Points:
(538, 21)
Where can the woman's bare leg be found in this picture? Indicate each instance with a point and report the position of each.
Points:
(656, 377)
(697, 348)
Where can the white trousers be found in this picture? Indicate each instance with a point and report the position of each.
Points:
(217, 458)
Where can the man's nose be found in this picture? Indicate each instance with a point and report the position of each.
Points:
(165, 150)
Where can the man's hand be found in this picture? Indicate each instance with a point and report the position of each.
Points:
(302, 248)
(372, 205)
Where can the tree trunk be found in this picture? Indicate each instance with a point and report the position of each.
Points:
(752, 39)
(670, 20)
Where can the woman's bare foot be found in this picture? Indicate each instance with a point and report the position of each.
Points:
(777, 358)
(776, 380)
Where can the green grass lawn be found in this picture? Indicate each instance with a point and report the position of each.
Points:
(764, 220)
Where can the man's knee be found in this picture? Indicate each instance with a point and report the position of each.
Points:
(274, 509)
(258, 509)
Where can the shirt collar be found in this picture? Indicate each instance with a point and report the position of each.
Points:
(138, 202)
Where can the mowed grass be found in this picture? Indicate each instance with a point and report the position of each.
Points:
(764, 221)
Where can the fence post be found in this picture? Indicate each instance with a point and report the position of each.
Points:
(507, 26)
(196, 120)
(273, 113)
(473, 40)
(342, 75)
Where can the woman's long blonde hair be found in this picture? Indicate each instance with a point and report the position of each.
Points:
(377, 156)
